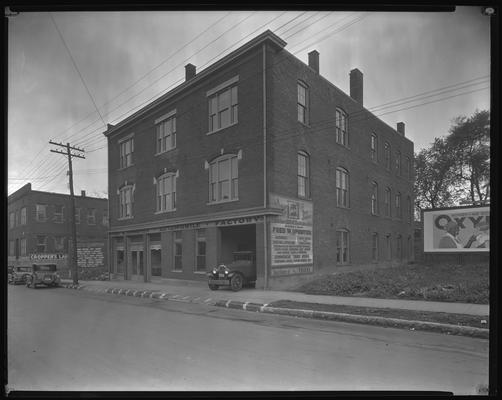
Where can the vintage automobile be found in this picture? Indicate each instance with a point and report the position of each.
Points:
(45, 274)
(18, 274)
(241, 271)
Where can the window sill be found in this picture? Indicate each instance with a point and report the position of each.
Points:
(124, 168)
(304, 124)
(164, 212)
(342, 145)
(221, 202)
(124, 218)
(343, 207)
(179, 271)
(220, 129)
(164, 152)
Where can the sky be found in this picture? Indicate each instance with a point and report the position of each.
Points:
(71, 73)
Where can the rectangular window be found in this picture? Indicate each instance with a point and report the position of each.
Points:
(77, 215)
(388, 202)
(200, 244)
(12, 221)
(399, 247)
(342, 188)
(178, 251)
(374, 199)
(126, 150)
(398, 163)
(398, 206)
(166, 193)
(41, 212)
(387, 156)
(341, 131)
(166, 134)
(91, 216)
(224, 179)
(223, 107)
(303, 175)
(12, 248)
(17, 217)
(58, 214)
(374, 247)
(125, 202)
(302, 103)
(342, 247)
(374, 148)
(24, 220)
(120, 260)
(59, 243)
(156, 261)
(104, 221)
(41, 243)
(389, 247)
(23, 247)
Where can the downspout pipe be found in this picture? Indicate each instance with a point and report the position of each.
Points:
(265, 238)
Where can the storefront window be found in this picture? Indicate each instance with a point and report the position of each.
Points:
(200, 242)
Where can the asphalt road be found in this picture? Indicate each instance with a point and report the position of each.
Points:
(60, 339)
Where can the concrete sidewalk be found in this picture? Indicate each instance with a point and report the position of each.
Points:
(195, 291)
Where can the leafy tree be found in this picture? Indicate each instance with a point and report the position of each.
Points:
(469, 141)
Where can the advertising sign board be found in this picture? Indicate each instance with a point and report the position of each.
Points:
(457, 230)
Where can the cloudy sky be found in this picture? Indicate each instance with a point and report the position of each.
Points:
(70, 73)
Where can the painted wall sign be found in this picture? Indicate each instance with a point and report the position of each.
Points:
(219, 223)
(88, 257)
(47, 256)
(459, 230)
(291, 236)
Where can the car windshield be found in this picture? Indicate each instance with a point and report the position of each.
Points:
(49, 268)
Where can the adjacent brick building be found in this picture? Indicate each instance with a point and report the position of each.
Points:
(39, 229)
(257, 152)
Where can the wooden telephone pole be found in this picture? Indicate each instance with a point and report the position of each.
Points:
(69, 154)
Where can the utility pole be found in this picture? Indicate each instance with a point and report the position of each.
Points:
(69, 154)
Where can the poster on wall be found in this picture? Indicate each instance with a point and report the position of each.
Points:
(457, 230)
(291, 237)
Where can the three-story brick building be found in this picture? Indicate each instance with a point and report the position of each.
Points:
(257, 152)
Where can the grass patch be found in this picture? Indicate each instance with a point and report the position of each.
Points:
(412, 315)
(443, 282)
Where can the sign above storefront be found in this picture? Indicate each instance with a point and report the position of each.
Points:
(217, 223)
(48, 256)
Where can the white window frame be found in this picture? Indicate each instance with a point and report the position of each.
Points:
(24, 215)
(41, 216)
(126, 193)
(303, 102)
(217, 184)
(374, 198)
(91, 216)
(374, 147)
(165, 140)
(341, 127)
(387, 156)
(388, 202)
(303, 174)
(58, 218)
(126, 150)
(165, 201)
(342, 187)
(399, 211)
(44, 244)
(216, 109)
(22, 243)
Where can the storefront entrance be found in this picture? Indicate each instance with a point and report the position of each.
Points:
(235, 242)
(137, 264)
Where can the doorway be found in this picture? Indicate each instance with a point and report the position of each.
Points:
(137, 264)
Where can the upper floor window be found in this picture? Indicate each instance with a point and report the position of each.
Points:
(166, 132)
(12, 221)
(303, 174)
(387, 155)
(77, 215)
(126, 150)
(17, 217)
(374, 247)
(398, 163)
(398, 205)
(105, 218)
(24, 219)
(23, 246)
(341, 127)
(302, 103)
(91, 216)
(12, 248)
(223, 105)
(125, 201)
(166, 192)
(59, 243)
(342, 187)
(224, 179)
(41, 243)
(408, 172)
(374, 148)
(41, 212)
(342, 246)
(388, 202)
(58, 213)
(374, 198)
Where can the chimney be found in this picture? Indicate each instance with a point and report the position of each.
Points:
(400, 128)
(356, 85)
(314, 60)
(189, 72)
(82, 193)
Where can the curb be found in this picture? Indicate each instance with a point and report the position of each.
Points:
(323, 315)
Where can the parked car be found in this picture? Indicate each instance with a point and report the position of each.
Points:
(241, 271)
(18, 274)
(45, 274)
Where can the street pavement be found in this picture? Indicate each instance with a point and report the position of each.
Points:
(259, 300)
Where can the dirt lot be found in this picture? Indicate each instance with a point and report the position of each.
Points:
(443, 282)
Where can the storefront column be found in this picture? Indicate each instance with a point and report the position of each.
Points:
(212, 235)
(166, 242)
(127, 259)
(147, 268)
(260, 257)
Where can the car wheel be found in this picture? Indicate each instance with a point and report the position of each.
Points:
(236, 282)
(213, 287)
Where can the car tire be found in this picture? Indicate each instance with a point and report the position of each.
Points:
(236, 282)
(213, 287)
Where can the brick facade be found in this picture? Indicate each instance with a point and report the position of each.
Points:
(266, 77)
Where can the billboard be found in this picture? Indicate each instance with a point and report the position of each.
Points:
(457, 230)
